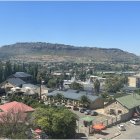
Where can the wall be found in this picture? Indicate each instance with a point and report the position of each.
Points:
(127, 116)
(116, 106)
(132, 81)
(8, 86)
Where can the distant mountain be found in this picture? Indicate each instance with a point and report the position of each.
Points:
(41, 51)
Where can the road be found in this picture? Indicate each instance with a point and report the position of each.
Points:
(132, 132)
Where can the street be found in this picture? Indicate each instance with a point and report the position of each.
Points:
(132, 132)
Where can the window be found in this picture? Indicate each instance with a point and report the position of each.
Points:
(119, 111)
(112, 112)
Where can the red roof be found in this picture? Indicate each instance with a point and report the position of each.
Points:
(16, 107)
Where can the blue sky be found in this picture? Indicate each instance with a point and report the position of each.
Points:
(95, 24)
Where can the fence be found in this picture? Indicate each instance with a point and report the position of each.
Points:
(110, 122)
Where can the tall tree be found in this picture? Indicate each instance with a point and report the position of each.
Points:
(76, 86)
(97, 86)
(8, 69)
(1, 71)
(84, 100)
(12, 125)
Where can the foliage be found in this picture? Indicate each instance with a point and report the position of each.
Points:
(114, 84)
(60, 123)
(119, 94)
(52, 83)
(76, 86)
(85, 101)
(12, 127)
(28, 100)
(59, 97)
(105, 95)
(137, 91)
(97, 86)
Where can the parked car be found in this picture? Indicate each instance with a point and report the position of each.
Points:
(75, 108)
(135, 121)
(93, 113)
(87, 112)
(82, 110)
(121, 127)
(68, 107)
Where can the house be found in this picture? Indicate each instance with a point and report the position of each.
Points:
(15, 109)
(125, 106)
(134, 81)
(16, 80)
(73, 97)
(32, 89)
(12, 83)
(23, 76)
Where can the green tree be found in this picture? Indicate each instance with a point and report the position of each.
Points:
(114, 84)
(60, 124)
(8, 69)
(52, 83)
(1, 71)
(84, 100)
(76, 86)
(12, 126)
(97, 86)
(59, 97)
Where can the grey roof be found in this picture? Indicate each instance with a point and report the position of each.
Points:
(21, 74)
(15, 81)
(71, 94)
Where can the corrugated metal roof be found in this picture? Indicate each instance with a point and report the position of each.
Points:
(16, 81)
(22, 74)
(129, 101)
(73, 95)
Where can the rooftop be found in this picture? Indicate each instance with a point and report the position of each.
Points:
(73, 94)
(16, 107)
(21, 74)
(15, 81)
(129, 101)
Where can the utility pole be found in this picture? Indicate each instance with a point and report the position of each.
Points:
(41, 82)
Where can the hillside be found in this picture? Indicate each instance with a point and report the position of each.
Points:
(40, 51)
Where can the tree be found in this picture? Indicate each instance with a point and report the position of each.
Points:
(59, 123)
(1, 71)
(97, 86)
(114, 84)
(84, 100)
(59, 97)
(82, 76)
(8, 69)
(52, 83)
(12, 125)
(76, 86)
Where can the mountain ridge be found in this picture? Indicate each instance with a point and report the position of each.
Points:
(56, 49)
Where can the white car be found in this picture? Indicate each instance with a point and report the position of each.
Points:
(121, 127)
(135, 121)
